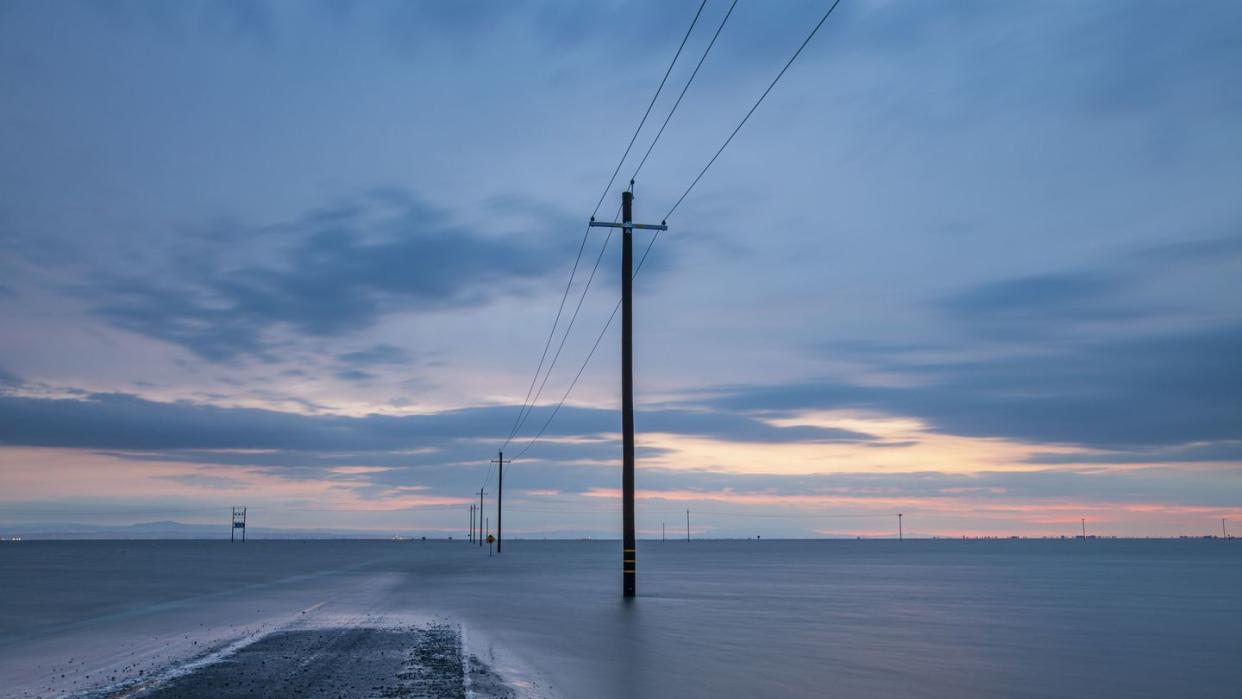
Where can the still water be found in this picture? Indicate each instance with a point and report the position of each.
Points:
(1101, 618)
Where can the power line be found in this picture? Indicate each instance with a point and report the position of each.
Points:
(527, 404)
(720, 150)
(587, 360)
(637, 268)
(565, 336)
(753, 108)
(573, 383)
(487, 479)
(560, 309)
(676, 104)
(649, 106)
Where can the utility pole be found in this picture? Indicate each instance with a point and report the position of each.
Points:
(663, 539)
(1084, 528)
(500, 494)
(900, 533)
(629, 562)
(687, 526)
(480, 517)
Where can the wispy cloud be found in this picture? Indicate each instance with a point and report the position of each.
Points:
(336, 271)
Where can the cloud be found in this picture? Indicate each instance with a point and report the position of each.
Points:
(331, 272)
(1119, 392)
(121, 421)
(1208, 486)
(1195, 250)
(1046, 297)
(1222, 451)
(355, 375)
(376, 355)
(127, 422)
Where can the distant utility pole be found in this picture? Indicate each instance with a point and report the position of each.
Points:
(662, 537)
(687, 526)
(629, 562)
(239, 522)
(1084, 528)
(500, 494)
(480, 517)
(900, 533)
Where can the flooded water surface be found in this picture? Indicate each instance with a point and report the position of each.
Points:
(713, 618)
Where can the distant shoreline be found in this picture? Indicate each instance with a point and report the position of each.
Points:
(49, 536)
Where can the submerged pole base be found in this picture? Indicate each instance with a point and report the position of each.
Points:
(629, 579)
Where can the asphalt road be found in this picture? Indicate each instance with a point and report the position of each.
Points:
(363, 658)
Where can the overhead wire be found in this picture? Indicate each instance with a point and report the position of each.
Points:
(568, 328)
(684, 88)
(560, 309)
(684, 194)
(603, 331)
(573, 383)
(527, 404)
(753, 108)
(649, 106)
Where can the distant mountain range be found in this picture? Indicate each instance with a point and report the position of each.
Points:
(179, 530)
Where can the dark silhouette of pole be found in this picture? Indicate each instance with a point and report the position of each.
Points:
(900, 533)
(629, 561)
(662, 537)
(480, 517)
(1084, 528)
(500, 494)
(687, 526)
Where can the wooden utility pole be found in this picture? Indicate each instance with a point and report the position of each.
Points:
(629, 560)
(480, 517)
(900, 533)
(500, 494)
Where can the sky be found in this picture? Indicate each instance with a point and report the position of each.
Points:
(979, 263)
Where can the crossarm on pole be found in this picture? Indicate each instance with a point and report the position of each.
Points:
(642, 226)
